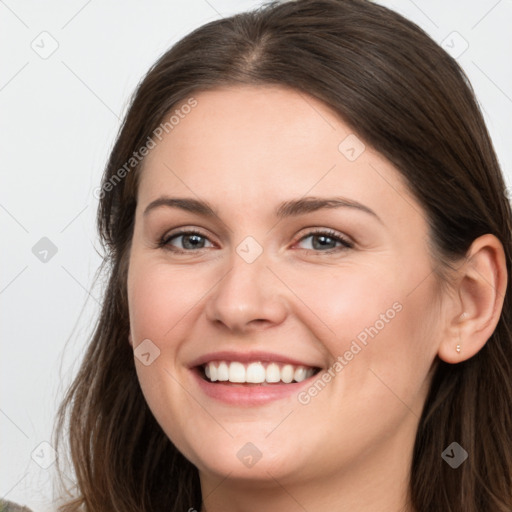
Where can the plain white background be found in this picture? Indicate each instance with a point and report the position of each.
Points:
(68, 71)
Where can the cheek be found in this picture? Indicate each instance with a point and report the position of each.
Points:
(347, 300)
(380, 322)
(160, 297)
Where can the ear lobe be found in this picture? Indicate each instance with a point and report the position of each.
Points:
(481, 286)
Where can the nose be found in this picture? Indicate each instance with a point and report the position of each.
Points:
(249, 297)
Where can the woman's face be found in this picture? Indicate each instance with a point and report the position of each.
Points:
(267, 275)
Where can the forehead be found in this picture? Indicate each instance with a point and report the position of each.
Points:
(246, 143)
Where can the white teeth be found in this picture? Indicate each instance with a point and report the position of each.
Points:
(300, 374)
(256, 372)
(223, 372)
(273, 373)
(213, 372)
(287, 373)
(236, 372)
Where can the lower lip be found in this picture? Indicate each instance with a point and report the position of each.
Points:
(248, 395)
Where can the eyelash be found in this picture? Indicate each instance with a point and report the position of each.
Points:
(346, 244)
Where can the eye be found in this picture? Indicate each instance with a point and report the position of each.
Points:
(190, 240)
(326, 240)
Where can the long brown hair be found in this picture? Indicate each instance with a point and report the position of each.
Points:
(408, 99)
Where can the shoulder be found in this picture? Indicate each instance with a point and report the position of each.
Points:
(9, 506)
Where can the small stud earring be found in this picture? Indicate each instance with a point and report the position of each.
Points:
(458, 348)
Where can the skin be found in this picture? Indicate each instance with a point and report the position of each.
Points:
(246, 149)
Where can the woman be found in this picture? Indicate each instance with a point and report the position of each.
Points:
(308, 307)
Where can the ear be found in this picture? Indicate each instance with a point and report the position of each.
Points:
(476, 305)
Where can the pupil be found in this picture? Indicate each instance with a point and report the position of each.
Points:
(323, 238)
(188, 237)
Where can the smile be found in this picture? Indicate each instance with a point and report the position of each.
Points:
(256, 372)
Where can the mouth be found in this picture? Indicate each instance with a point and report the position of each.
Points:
(254, 374)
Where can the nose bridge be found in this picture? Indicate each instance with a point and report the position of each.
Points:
(248, 294)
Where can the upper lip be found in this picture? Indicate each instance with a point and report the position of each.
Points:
(247, 357)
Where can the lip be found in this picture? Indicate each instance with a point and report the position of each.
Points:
(249, 356)
(248, 395)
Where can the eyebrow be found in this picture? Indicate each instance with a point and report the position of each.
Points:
(291, 208)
